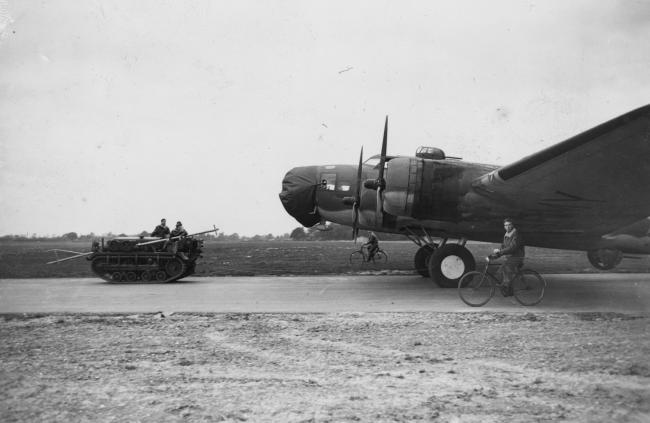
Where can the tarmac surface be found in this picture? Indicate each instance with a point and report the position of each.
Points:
(620, 293)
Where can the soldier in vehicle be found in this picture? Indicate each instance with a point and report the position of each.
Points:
(372, 245)
(513, 249)
(180, 232)
(161, 231)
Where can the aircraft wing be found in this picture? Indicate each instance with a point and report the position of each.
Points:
(588, 185)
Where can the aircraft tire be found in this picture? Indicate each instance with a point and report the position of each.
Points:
(604, 259)
(421, 261)
(449, 263)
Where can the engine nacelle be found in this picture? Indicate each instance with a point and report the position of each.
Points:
(427, 189)
(403, 182)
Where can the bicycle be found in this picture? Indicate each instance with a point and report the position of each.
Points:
(361, 256)
(476, 288)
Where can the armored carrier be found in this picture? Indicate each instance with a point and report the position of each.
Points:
(133, 259)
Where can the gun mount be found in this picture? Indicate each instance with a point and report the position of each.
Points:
(131, 259)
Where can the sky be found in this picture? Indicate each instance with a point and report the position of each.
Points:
(115, 114)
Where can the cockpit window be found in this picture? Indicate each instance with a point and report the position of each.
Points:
(328, 181)
(373, 161)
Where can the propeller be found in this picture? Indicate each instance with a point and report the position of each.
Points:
(378, 185)
(357, 200)
(381, 182)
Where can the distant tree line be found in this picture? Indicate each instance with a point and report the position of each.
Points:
(74, 236)
(335, 232)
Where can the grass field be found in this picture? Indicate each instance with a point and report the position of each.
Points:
(246, 258)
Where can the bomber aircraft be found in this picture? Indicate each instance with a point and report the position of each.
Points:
(590, 193)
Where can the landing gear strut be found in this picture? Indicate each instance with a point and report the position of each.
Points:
(422, 258)
(444, 263)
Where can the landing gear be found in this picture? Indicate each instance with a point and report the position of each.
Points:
(444, 263)
(604, 259)
(422, 259)
(449, 263)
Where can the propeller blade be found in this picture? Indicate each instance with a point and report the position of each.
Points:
(357, 200)
(379, 215)
(380, 178)
(359, 171)
(382, 160)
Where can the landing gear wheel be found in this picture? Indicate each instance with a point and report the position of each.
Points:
(449, 263)
(604, 259)
(161, 276)
(422, 258)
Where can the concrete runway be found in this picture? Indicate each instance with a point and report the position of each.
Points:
(624, 293)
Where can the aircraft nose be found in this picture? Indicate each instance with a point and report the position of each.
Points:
(298, 194)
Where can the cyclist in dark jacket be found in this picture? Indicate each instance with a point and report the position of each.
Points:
(372, 245)
(513, 250)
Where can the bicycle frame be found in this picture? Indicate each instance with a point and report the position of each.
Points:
(364, 252)
(477, 288)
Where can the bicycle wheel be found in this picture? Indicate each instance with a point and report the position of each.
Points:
(528, 287)
(476, 288)
(380, 257)
(357, 258)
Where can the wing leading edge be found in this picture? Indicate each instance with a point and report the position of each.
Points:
(586, 186)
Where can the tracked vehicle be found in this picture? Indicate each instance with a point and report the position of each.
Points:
(132, 259)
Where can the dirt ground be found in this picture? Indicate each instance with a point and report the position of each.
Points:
(371, 367)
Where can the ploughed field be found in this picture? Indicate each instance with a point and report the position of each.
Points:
(347, 367)
(26, 259)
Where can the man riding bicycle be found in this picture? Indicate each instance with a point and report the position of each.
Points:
(372, 245)
(513, 249)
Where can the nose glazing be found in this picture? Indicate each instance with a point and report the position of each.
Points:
(298, 195)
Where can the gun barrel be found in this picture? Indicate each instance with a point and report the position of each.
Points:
(175, 237)
(201, 233)
(65, 251)
(70, 258)
(156, 241)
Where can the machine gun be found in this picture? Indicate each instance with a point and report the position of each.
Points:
(156, 241)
